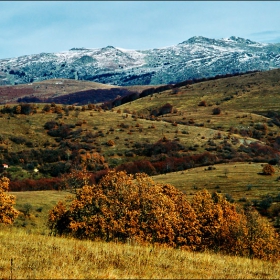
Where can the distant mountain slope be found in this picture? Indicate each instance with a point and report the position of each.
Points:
(195, 58)
(64, 91)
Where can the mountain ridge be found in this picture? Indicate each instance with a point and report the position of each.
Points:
(197, 57)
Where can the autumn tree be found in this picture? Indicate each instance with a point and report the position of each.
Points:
(219, 222)
(7, 212)
(202, 103)
(228, 229)
(262, 240)
(122, 207)
(110, 143)
(76, 179)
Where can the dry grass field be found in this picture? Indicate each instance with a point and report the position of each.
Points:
(28, 256)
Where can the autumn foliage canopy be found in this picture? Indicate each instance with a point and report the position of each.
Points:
(7, 212)
(124, 207)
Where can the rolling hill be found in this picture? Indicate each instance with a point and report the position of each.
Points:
(178, 125)
(214, 134)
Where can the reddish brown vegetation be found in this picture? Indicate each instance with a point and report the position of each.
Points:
(110, 143)
(36, 185)
(268, 169)
(202, 103)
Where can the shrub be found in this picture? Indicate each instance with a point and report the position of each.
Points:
(216, 111)
(7, 212)
(18, 139)
(261, 240)
(50, 124)
(202, 103)
(268, 169)
(75, 180)
(227, 229)
(26, 209)
(110, 143)
(139, 166)
(36, 185)
(47, 108)
(121, 207)
(218, 221)
(166, 109)
(63, 130)
(265, 203)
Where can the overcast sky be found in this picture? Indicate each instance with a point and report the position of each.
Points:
(30, 27)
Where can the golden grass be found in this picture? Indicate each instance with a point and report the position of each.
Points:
(25, 256)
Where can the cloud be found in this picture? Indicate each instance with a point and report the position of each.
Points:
(267, 32)
(266, 36)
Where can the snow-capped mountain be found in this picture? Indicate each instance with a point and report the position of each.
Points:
(197, 57)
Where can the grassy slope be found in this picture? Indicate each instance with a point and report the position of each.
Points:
(39, 203)
(250, 95)
(240, 180)
(31, 128)
(26, 256)
(261, 89)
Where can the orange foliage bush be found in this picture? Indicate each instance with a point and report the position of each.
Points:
(230, 230)
(268, 169)
(124, 207)
(7, 212)
(220, 223)
(262, 241)
(110, 143)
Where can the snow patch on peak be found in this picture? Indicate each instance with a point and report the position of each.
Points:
(195, 40)
(240, 40)
(78, 49)
(197, 57)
